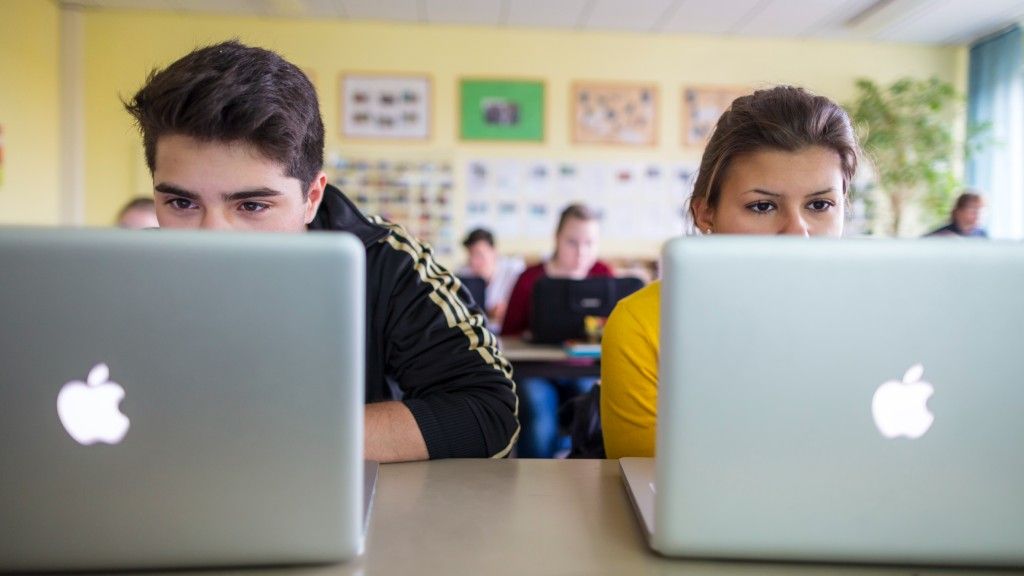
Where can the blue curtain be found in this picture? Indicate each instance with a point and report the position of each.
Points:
(996, 98)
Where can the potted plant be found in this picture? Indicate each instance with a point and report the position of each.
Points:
(907, 130)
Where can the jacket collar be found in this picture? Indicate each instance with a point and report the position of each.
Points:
(337, 212)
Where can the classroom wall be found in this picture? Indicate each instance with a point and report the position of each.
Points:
(29, 111)
(122, 47)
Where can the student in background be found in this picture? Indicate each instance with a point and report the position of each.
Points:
(498, 272)
(575, 257)
(234, 140)
(965, 218)
(138, 214)
(780, 161)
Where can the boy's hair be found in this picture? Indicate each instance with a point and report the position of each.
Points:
(479, 235)
(965, 199)
(230, 92)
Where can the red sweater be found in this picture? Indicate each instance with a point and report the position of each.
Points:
(517, 317)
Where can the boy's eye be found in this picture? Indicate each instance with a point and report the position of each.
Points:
(253, 207)
(180, 203)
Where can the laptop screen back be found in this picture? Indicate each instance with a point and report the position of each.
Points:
(237, 363)
(560, 305)
(772, 442)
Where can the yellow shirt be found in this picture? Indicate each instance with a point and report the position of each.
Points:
(629, 374)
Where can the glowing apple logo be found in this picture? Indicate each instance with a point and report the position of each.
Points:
(901, 408)
(89, 410)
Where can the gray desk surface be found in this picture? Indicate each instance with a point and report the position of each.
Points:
(566, 517)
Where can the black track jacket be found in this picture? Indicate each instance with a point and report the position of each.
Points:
(426, 341)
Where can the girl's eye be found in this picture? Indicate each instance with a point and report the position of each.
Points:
(821, 205)
(761, 207)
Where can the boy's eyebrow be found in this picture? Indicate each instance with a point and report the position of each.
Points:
(263, 192)
(172, 189)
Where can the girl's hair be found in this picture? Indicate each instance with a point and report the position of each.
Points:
(577, 211)
(782, 118)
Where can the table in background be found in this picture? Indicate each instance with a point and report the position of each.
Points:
(524, 517)
(546, 361)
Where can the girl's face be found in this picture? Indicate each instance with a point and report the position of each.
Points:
(778, 192)
(576, 250)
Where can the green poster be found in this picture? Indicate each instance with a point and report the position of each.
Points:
(511, 110)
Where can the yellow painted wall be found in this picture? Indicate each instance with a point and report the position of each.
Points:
(121, 47)
(29, 111)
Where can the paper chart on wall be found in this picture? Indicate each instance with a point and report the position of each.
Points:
(521, 199)
(617, 200)
(539, 213)
(479, 208)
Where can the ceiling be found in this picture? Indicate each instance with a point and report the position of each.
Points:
(925, 21)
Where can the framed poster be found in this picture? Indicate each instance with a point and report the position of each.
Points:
(702, 106)
(614, 113)
(385, 106)
(505, 110)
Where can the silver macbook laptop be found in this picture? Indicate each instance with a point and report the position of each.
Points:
(175, 399)
(851, 400)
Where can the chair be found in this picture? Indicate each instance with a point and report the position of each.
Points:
(582, 417)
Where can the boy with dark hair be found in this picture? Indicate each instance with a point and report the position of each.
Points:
(234, 140)
(499, 273)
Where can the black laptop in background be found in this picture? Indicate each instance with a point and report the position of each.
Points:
(560, 305)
